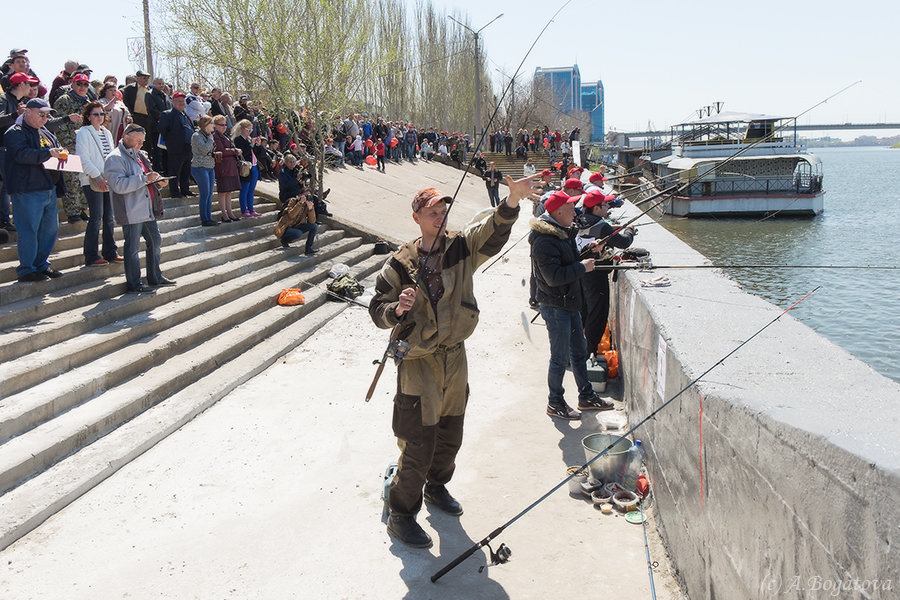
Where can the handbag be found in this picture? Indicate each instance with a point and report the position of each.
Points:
(95, 184)
(244, 167)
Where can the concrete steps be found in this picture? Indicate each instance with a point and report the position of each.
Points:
(92, 377)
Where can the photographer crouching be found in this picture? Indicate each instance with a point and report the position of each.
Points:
(294, 180)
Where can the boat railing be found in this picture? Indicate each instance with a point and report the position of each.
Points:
(801, 183)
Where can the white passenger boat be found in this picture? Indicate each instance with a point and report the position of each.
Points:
(777, 175)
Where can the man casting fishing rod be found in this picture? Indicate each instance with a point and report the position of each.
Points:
(425, 291)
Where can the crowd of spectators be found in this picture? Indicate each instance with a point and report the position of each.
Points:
(199, 136)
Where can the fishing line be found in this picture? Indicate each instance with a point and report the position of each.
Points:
(484, 542)
(650, 563)
(649, 266)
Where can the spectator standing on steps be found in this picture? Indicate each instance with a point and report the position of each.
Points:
(71, 104)
(203, 165)
(226, 169)
(176, 129)
(492, 181)
(134, 190)
(246, 144)
(93, 143)
(33, 190)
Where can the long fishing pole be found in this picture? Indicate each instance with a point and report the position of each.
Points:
(394, 337)
(649, 266)
(647, 550)
(484, 542)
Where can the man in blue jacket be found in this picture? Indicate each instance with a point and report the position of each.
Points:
(33, 190)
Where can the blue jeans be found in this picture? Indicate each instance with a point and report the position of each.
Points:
(295, 233)
(37, 222)
(100, 212)
(248, 188)
(566, 345)
(206, 179)
(149, 230)
(494, 194)
(411, 152)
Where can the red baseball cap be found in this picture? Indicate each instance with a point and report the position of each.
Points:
(573, 184)
(179, 95)
(595, 177)
(595, 197)
(17, 78)
(81, 77)
(546, 172)
(429, 197)
(557, 199)
(575, 169)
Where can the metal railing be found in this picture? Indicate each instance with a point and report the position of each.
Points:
(802, 183)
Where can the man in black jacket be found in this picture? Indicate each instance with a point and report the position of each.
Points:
(134, 96)
(558, 270)
(492, 179)
(12, 104)
(176, 129)
(157, 103)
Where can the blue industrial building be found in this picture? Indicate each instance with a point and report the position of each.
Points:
(570, 95)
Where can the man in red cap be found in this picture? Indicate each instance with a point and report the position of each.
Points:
(593, 225)
(72, 103)
(431, 278)
(12, 104)
(559, 270)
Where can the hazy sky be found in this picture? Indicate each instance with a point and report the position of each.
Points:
(658, 60)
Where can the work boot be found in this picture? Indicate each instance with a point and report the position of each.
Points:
(439, 496)
(408, 531)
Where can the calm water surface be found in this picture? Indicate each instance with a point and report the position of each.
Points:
(856, 309)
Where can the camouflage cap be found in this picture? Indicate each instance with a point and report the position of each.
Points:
(429, 197)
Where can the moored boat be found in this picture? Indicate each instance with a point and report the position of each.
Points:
(774, 176)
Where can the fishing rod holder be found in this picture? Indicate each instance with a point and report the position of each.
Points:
(500, 557)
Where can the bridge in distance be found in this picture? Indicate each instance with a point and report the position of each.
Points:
(819, 127)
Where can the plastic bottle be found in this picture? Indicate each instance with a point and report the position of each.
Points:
(633, 459)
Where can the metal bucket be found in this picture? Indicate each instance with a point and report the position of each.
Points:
(605, 468)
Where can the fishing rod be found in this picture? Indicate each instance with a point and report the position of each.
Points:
(650, 563)
(496, 532)
(649, 266)
(397, 347)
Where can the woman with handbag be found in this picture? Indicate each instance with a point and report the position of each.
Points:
(93, 143)
(249, 176)
(226, 168)
(118, 113)
(203, 166)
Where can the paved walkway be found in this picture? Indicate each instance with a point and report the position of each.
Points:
(274, 492)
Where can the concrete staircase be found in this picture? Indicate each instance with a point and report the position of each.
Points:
(91, 377)
(510, 165)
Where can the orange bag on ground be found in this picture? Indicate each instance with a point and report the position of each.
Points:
(612, 363)
(604, 345)
(291, 297)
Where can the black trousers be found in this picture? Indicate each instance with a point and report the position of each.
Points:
(180, 168)
(595, 315)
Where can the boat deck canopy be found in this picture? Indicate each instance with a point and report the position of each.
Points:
(680, 163)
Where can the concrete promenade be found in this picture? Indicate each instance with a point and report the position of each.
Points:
(274, 492)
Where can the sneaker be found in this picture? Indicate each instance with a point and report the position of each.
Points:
(118, 258)
(255, 214)
(563, 411)
(246, 214)
(98, 263)
(595, 402)
(311, 252)
(8, 227)
(52, 273)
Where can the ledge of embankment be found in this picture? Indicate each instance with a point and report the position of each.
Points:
(779, 472)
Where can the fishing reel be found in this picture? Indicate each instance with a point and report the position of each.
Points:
(398, 349)
(500, 557)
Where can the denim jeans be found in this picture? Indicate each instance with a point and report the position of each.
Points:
(494, 194)
(149, 230)
(206, 179)
(37, 222)
(410, 152)
(295, 233)
(566, 345)
(248, 188)
(100, 212)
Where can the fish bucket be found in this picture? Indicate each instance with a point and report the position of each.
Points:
(605, 468)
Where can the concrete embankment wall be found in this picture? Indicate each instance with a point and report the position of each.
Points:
(795, 489)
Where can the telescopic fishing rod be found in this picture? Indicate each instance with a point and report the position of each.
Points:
(395, 347)
(649, 266)
(491, 536)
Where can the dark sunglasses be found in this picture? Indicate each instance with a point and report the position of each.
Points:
(100, 114)
(81, 83)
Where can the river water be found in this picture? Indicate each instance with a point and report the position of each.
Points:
(856, 309)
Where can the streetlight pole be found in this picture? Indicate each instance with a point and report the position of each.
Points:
(147, 37)
(478, 123)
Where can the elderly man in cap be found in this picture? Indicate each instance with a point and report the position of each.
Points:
(12, 104)
(135, 98)
(592, 225)
(33, 190)
(431, 278)
(559, 270)
(18, 63)
(176, 129)
(134, 191)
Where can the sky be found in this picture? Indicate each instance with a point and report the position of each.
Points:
(658, 60)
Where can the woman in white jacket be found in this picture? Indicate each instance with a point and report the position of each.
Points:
(93, 143)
